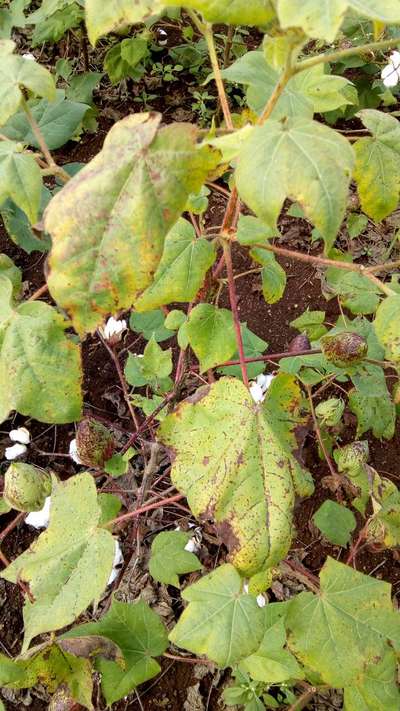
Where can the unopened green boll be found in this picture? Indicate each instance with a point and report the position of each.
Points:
(26, 487)
(344, 349)
(330, 412)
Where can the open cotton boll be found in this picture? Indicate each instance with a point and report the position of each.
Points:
(17, 450)
(21, 435)
(192, 546)
(117, 562)
(264, 381)
(29, 57)
(256, 392)
(391, 73)
(73, 451)
(113, 329)
(40, 519)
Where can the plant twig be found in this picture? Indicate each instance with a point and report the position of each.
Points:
(349, 266)
(337, 56)
(14, 523)
(57, 170)
(122, 380)
(39, 292)
(143, 509)
(335, 475)
(272, 357)
(223, 99)
(235, 311)
(303, 700)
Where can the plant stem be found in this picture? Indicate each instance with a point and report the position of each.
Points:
(335, 475)
(17, 520)
(122, 380)
(349, 266)
(209, 37)
(276, 94)
(344, 53)
(143, 427)
(57, 170)
(143, 509)
(235, 311)
(39, 292)
(303, 700)
(272, 357)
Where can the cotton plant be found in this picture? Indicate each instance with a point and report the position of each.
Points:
(21, 438)
(391, 73)
(113, 329)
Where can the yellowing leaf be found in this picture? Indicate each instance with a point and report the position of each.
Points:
(321, 19)
(350, 620)
(234, 463)
(68, 566)
(387, 327)
(40, 367)
(20, 179)
(17, 72)
(300, 159)
(114, 15)
(109, 222)
(377, 164)
(376, 689)
(182, 269)
(234, 12)
(220, 621)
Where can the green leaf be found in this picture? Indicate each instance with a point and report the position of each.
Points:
(321, 19)
(236, 12)
(175, 319)
(110, 506)
(150, 325)
(20, 178)
(384, 527)
(220, 621)
(68, 566)
(234, 463)
(140, 635)
(82, 86)
(387, 327)
(149, 404)
(300, 159)
(57, 121)
(252, 231)
(152, 368)
(376, 689)
(371, 402)
(17, 72)
(19, 228)
(271, 663)
(356, 223)
(377, 164)
(253, 347)
(311, 323)
(118, 464)
(311, 91)
(4, 506)
(357, 292)
(11, 272)
(170, 559)
(40, 367)
(114, 15)
(182, 269)
(134, 190)
(52, 28)
(211, 334)
(344, 628)
(122, 59)
(336, 522)
(273, 275)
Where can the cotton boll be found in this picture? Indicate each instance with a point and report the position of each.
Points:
(117, 563)
(112, 331)
(40, 519)
(20, 435)
(73, 452)
(192, 546)
(261, 601)
(264, 381)
(256, 392)
(17, 450)
(391, 73)
(30, 57)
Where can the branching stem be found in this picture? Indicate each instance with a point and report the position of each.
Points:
(332, 57)
(235, 311)
(144, 509)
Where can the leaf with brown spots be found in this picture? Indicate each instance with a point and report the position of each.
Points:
(235, 463)
(109, 223)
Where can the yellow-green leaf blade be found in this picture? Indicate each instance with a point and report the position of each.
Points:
(20, 179)
(169, 558)
(68, 566)
(235, 12)
(17, 72)
(114, 15)
(387, 327)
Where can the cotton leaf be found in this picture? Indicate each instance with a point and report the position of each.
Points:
(376, 689)
(387, 327)
(113, 15)
(233, 460)
(377, 164)
(68, 566)
(300, 159)
(139, 634)
(17, 72)
(20, 179)
(170, 559)
(221, 621)
(40, 367)
(345, 628)
(321, 19)
(211, 334)
(235, 12)
(182, 269)
(108, 224)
